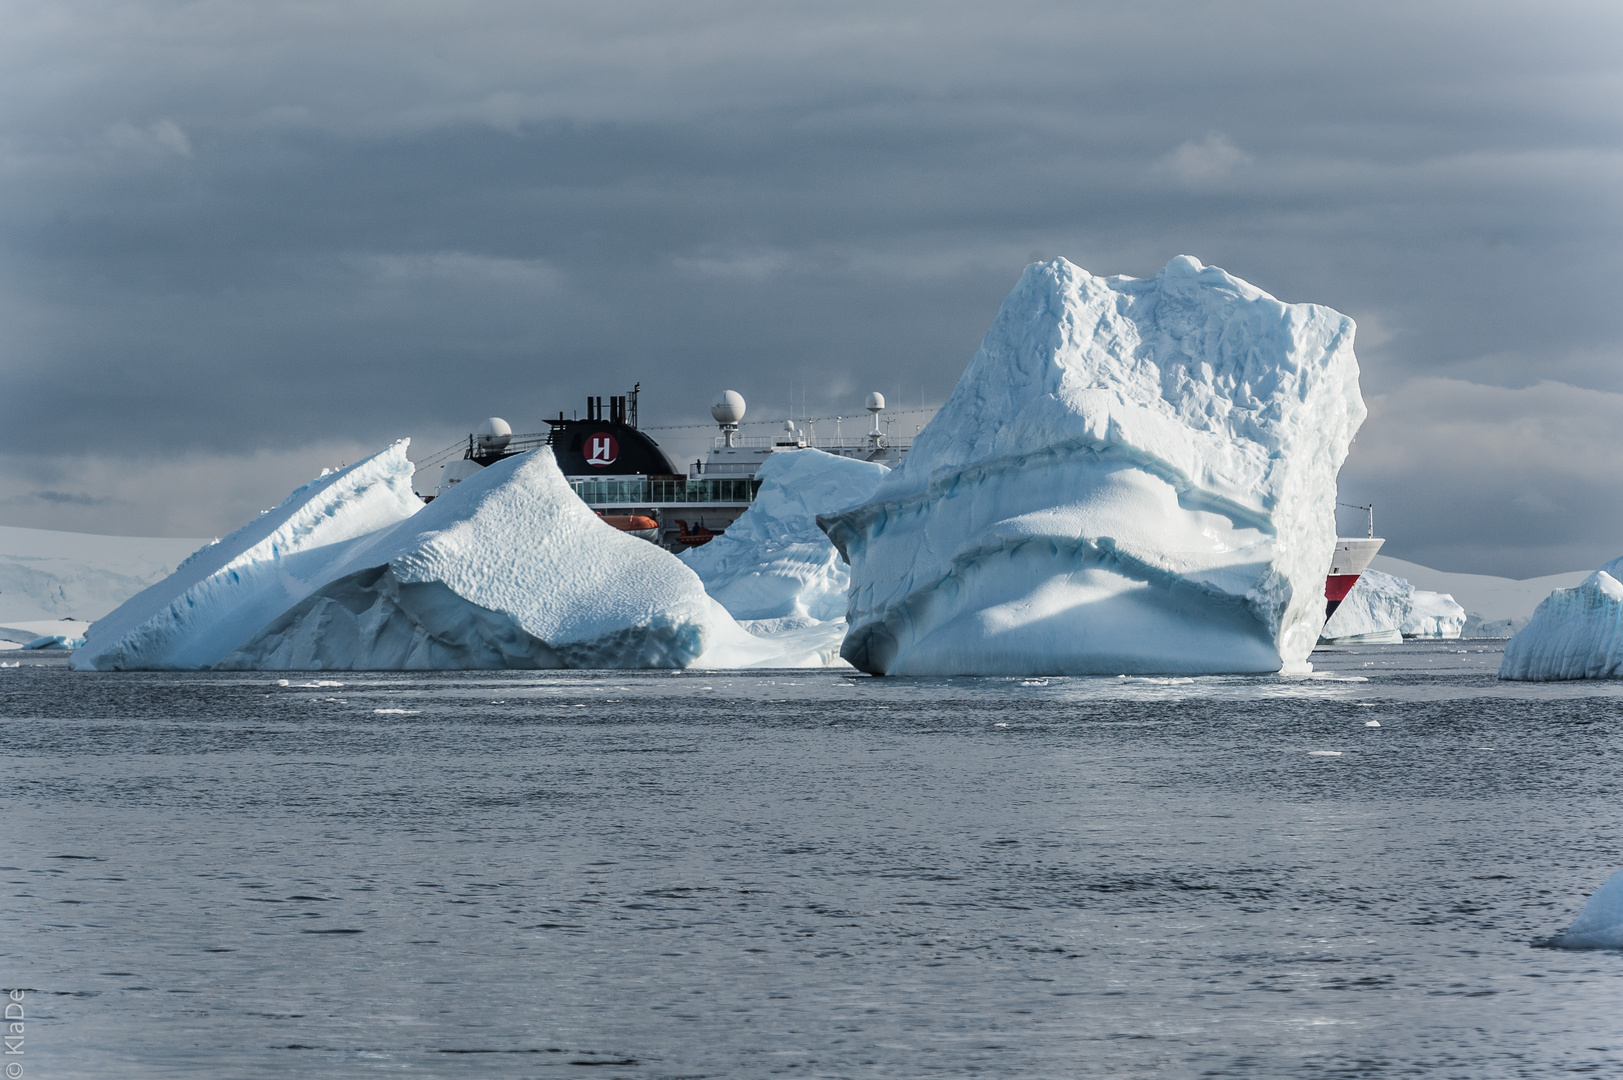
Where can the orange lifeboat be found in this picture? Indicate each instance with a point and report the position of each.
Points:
(635, 524)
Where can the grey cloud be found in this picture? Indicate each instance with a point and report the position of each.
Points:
(239, 229)
(71, 498)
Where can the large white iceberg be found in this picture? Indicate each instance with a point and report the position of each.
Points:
(1600, 924)
(1131, 476)
(508, 569)
(1385, 608)
(774, 563)
(1574, 634)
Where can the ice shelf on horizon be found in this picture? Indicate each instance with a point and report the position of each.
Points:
(1132, 476)
(1575, 633)
(352, 572)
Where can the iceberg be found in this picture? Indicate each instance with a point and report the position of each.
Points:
(774, 567)
(1433, 615)
(1600, 924)
(1132, 476)
(1575, 633)
(1384, 608)
(227, 590)
(508, 569)
(1372, 611)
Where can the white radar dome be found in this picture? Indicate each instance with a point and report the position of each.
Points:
(876, 402)
(729, 407)
(494, 434)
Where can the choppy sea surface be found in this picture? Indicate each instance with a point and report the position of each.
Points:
(811, 874)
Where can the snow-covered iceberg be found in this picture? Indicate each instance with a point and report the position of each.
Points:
(1132, 476)
(226, 591)
(1600, 924)
(1574, 634)
(774, 563)
(508, 569)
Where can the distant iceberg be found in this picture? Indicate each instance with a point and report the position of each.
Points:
(1574, 634)
(1132, 476)
(1600, 924)
(1385, 608)
(774, 565)
(1433, 615)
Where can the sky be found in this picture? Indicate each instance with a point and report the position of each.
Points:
(243, 241)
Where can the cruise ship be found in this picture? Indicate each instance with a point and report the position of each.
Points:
(618, 469)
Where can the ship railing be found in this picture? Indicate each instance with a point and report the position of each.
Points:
(702, 469)
(849, 446)
(655, 492)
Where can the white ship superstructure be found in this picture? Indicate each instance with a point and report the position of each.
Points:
(620, 471)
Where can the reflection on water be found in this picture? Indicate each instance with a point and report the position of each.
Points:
(812, 874)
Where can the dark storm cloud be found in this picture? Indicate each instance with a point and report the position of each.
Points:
(239, 229)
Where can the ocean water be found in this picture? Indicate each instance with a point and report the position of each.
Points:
(811, 874)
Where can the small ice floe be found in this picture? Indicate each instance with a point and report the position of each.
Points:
(56, 641)
(1600, 924)
(1324, 753)
(1034, 682)
(315, 685)
(1000, 725)
(1372, 723)
(14, 663)
(1155, 681)
(397, 712)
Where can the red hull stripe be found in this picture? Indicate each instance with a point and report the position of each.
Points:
(1337, 586)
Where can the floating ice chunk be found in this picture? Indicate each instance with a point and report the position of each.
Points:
(1600, 924)
(814, 645)
(1574, 634)
(1131, 476)
(55, 641)
(774, 562)
(1372, 723)
(219, 597)
(508, 569)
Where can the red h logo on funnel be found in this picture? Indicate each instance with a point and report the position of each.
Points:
(602, 450)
